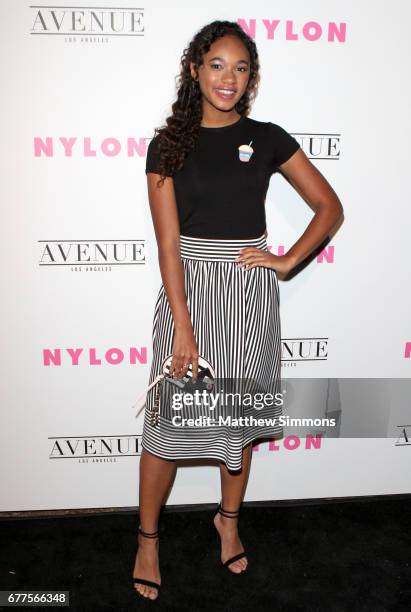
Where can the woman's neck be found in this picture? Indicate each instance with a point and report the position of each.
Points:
(213, 117)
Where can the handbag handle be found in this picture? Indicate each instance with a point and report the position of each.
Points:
(141, 400)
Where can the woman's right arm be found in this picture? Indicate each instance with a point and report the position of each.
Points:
(164, 213)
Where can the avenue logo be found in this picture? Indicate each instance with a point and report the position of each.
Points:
(91, 254)
(303, 349)
(94, 448)
(87, 21)
(320, 146)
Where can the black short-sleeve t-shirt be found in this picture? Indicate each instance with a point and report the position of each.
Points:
(221, 188)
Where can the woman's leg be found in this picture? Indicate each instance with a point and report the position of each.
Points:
(233, 486)
(156, 477)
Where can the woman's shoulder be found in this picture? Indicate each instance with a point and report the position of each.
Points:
(153, 155)
(153, 141)
(280, 143)
(264, 125)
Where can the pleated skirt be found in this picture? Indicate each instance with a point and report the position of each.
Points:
(236, 323)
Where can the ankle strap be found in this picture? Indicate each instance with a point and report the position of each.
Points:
(227, 513)
(154, 534)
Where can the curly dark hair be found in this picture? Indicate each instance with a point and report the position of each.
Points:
(178, 137)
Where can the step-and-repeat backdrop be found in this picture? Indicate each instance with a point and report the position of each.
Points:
(82, 90)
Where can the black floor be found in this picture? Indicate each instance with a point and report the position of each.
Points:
(339, 556)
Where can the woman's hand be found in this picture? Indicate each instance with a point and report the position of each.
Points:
(185, 352)
(251, 257)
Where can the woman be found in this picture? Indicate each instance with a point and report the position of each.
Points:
(208, 172)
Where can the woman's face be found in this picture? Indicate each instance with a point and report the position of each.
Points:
(224, 73)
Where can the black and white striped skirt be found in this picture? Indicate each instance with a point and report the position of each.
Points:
(236, 323)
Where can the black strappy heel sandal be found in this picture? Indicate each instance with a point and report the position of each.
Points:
(229, 514)
(149, 583)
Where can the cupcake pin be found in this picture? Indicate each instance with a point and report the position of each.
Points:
(245, 152)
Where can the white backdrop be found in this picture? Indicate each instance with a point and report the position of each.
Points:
(78, 111)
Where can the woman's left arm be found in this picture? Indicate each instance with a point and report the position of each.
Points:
(320, 196)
